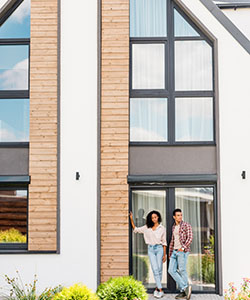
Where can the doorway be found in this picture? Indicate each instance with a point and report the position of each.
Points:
(198, 205)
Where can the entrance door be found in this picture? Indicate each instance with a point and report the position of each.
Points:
(197, 204)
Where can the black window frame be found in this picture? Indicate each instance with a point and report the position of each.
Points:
(169, 91)
(169, 188)
(15, 94)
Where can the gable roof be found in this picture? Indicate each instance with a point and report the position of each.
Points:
(227, 23)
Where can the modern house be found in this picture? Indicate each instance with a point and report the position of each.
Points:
(116, 105)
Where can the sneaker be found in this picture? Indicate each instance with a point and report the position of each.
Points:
(160, 295)
(156, 293)
(188, 291)
(181, 295)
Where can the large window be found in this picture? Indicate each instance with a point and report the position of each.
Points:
(14, 71)
(198, 206)
(171, 68)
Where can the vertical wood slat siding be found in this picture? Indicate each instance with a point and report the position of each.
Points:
(114, 138)
(43, 126)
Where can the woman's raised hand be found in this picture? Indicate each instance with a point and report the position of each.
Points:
(131, 215)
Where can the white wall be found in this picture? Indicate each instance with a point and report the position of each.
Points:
(234, 111)
(241, 18)
(78, 258)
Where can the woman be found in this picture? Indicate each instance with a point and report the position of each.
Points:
(155, 237)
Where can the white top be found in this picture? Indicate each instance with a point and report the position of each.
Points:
(177, 243)
(153, 237)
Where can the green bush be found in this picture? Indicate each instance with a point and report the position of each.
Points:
(76, 292)
(12, 236)
(122, 288)
(140, 268)
(208, 267)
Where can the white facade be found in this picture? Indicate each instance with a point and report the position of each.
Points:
(77, 261)
(78, 258)
(234, 146)
(241, 18)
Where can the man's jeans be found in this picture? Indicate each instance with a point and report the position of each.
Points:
(155, 253)
(177, 268)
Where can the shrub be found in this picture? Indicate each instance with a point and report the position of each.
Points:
(140, 266)
(208, 267)
(76, 292)
(243, 293)
(122, 288)
(19, 291)
(12, 236)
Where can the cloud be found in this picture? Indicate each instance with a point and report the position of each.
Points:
(22, 12)
(6, 135)
(16, 78)
(11, 134)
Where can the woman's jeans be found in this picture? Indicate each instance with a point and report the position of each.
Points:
(178, 268)
(155, 253)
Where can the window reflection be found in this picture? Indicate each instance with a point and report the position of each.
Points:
(148, 18)
(14, 67)
(18, 23)
(13, 216)
(148, 119)
(193, 66)
(14, 120)
(182, 27)
(193, 119)
(148, 66)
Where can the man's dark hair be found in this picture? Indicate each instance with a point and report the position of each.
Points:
(176, 210)
(149, 221)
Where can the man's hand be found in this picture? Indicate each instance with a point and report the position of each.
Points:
(164, 258)
(180, 250)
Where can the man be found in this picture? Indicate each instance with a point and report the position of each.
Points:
(179, 249)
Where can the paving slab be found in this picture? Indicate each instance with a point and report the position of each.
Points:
(193, 297)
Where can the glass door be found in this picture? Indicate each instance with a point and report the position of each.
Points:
(144, 201)
(197, 205)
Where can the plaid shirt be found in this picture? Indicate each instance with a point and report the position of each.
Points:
(186, 237)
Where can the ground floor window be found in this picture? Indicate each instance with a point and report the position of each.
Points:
(13, 218)
(198, 206)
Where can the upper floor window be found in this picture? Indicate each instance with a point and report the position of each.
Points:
(171, 76)
(14, 70)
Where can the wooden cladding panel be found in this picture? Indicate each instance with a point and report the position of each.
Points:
(43, 126)
(114, 138)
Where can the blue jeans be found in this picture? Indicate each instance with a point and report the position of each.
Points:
(177, 268)
(155, 253)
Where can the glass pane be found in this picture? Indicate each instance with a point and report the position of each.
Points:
(193, 66)
(142, 203)
(13, 216)
(148, 18)
(194, 119)
(18, 24)
(182, 27)
(148, 119)
(14, 65)
(148, 66)
(14, 120)
(198, 210)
